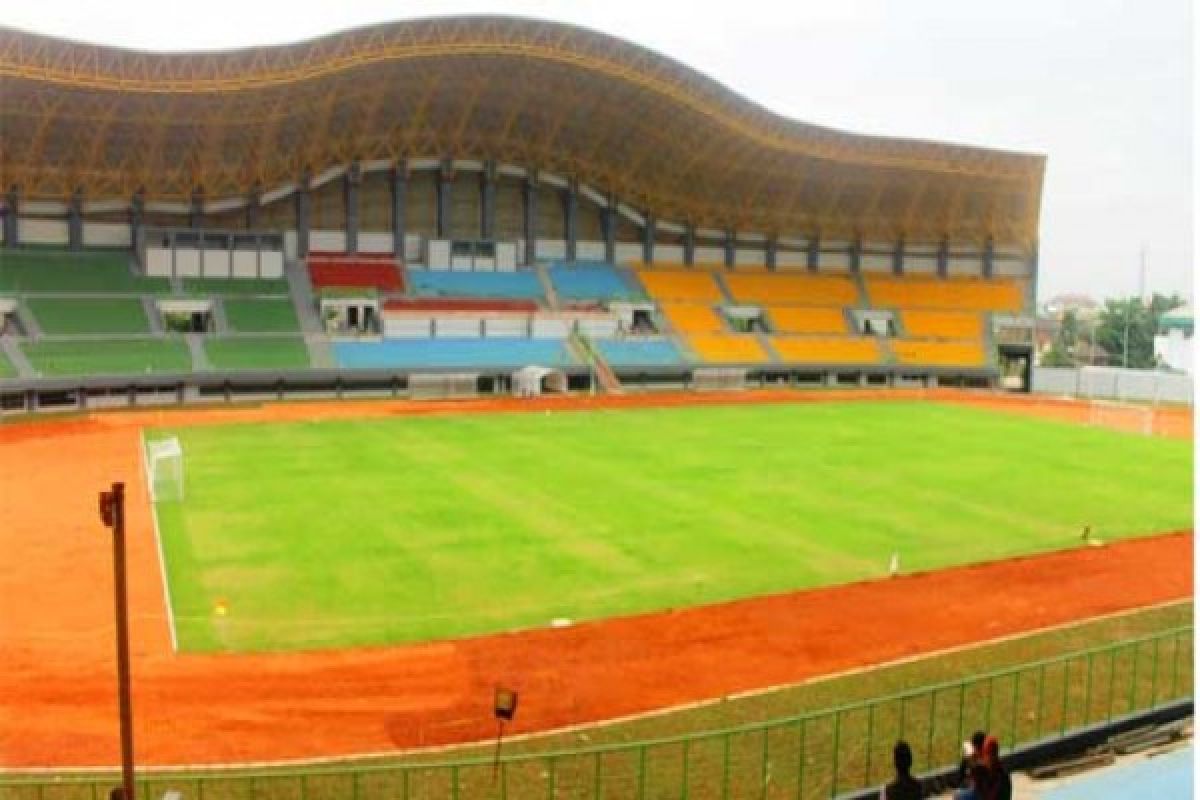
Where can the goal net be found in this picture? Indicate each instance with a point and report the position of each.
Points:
(1117, 416)
(164, 470)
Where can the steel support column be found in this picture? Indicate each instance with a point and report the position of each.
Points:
(814, 252)
(689, 244)
(137, 211)
(608, 228)
(943, 258)
(399, 189)
(530, 197)
(570, 198)
(989, 257)
(648, 238)
(196, 209)
(898, 257)
(445, 185)
(350, 183)
(12, 201)
(303, 214)
(75, 221)
(730, 249)
(772, 253)
(487, 201)
(253, 206)
(856, 253)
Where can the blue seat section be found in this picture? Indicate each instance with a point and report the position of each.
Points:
(592, 281)
(633, 353)
(413, 353)
(522, 285)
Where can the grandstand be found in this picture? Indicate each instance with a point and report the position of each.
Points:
(382, 262)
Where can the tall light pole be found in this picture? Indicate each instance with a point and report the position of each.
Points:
(112, 513)
(1129, 306)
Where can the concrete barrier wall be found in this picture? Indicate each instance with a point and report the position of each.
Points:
(1108, 383)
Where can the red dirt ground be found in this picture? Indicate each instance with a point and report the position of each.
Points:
(57, 687)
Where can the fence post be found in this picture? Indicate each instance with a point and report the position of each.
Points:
(596, 784)
(869, 743)
(1066, 695)
(725, 768)
(687, 770)
(1087, 692)
(1012, 728)
(1112, 680)
(1154, 676)
(551, 788)
(1175, 667)
(1137, 656)
(641, 773)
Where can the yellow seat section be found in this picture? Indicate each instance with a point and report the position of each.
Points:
(677, 285)
(788, 319)
(828, 350)
(693, 318)
(946, 354)
(942, 324)
(730, 348)
(967, 294)
(809, 290)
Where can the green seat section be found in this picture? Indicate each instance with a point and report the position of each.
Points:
(234, 286)
(66, 271)
(99, 315)
(261, 316)
(7, 370)
(284, 352)
(109, 356)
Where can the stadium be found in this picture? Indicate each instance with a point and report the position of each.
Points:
(452, 361)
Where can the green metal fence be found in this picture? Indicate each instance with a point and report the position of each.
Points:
(815, 755)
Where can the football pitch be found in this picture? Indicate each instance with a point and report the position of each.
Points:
(337, 533)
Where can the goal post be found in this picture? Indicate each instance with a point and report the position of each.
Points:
(164, 470)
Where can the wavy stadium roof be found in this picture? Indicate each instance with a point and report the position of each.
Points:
(615, 116)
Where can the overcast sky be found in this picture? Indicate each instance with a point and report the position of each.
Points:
(1102, 87)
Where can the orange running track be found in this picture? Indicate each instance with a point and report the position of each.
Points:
(57, 684)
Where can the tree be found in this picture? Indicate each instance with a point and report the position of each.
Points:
(1130, 322)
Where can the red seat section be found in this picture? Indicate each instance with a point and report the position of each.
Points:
(329, 270)
(457, 304)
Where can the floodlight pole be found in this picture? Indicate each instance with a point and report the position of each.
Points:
(112, 511)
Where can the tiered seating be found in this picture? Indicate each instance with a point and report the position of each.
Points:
(255, 315)
(523, 284)
(102, 315)
(7, 370)
(457, 304)
(73, 271)
(591, 282)
(947, 354)
(639, 353)
(942, 324)
(346, 272)
(283, 352)
(239, 286)
(789, 319)
(826, 350)
(453, 353)
(964, 294)
(730, 348)
(693, 318)
(780, 289)
(698, 287)
(108, 357)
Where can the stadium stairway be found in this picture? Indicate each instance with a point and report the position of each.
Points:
(726, 295)
(588, 353)
(17, 358)
(320, 353)
(864, 300)
(764, 341)
(152, 316)
(195, 345)
(27, 320)
(547, 287)
(220, 321)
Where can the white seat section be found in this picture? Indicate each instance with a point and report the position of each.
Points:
(216, 264)
(158, 262)
(187, 263)
(600, 327)
(507, 326)
(407, 327)
(458, 327)
(544, 328)
(244, 264)
(271, 264)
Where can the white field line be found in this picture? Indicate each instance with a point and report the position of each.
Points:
(162, 561)
(349, 760)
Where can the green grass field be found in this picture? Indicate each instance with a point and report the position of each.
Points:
(370, 531)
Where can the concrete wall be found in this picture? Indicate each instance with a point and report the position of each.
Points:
(1108, 383)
